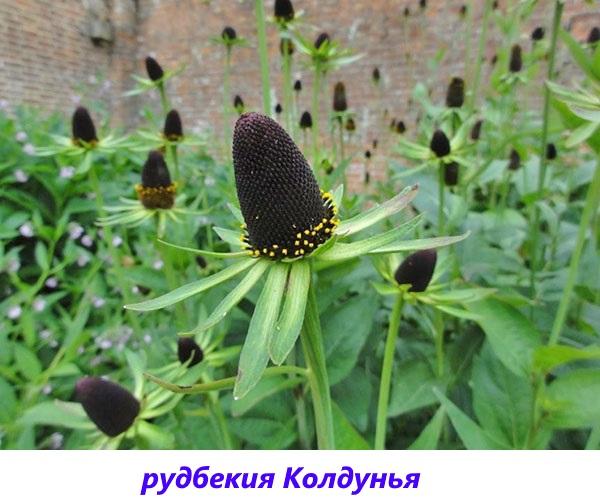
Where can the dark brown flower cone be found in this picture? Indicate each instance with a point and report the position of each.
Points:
(83, 128)
(283, 10)
(455, 95)
(306, 120)
(188, 348)
(156, 189)
(154, 70)
(228, 34)
(321, 39)
(451, 174)
(476, 130)
(551, 152)
(173, 129)
(514, 163)
(440, 144)
(516, 59)
(111, 407)
(417, 270)
(339, 97)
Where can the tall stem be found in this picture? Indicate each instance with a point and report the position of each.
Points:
(386, 373)
(558, 8)
(227, 100)
(261, 28)
(480, 49)
(341, 127)
(315, 114)
(286, 67)
(314, 355)
(164, 101)
(591, 205)
(441, 198)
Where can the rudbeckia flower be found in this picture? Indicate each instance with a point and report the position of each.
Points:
(289, 224)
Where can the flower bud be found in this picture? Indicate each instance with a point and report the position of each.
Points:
(423, 4)
(514, 162)
(321, 39)
(278, 108)
(297, 85)
(399, 127)
(594, 35)
(551, 152)
(440, 144)
(173, 129)
(451, 174)
(188, 348)
(228, 34)
(339, 97)
(516, 59)
(82, 127)
(350, 124)
(455, 96)
(368, 154)
(376, 75)
(416, 270)
(238, 104)
(476, 130)
(286, 47)
(284, 11)
(111, 407)
(306, 120)
(538, 34)
(156, 189)
(154, 70)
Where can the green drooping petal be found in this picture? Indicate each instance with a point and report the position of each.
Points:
(292, 314)
(229, 236)
(233, 297)
(344, 251)
(422, 244)
(190, 289)
(206, 253)
(255, 352)
(380, 212)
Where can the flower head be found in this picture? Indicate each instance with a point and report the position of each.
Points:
(455, 96)
(285, 212)
(321, 39)
(306, 120)
(451, 174)
(111, 407)
(376, 75)
(228, 34)
(551, 152)
(350, 124)
(417, 270)
(83, 128)
(286, 47)
(516, 59)
(173, 129)
(594, 35)
(538, 34)
(284, 11)
(476, 130)
(440, 144)
(514, 162)
(278, 108)
(156, 189)
(154, 70)
(339, 97)
(187, 349)
(238, 104)
(297, 85)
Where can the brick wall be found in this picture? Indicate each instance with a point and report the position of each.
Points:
(47, 57)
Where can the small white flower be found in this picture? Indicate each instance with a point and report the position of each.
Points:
(98, 302)
(45, 334)
(53, 343)
(14, 265)
(80, 350)
(29, 149)
(4, 104)
(158, 264)
(75, 230)
(82, 260)
(39, 304)
(51, 282)
(87, 240)
(117, 241)
(26, 230)
(147, 339)
(14, 312)
(76, 99)
(92, 80)
(56, 440)
(67, 172)
(21, 176)
(21, 136)
(105, 344)
(91, 195)
(135, 289)
(209, 181)
(47, 389)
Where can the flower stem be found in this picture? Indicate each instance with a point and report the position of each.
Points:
(286, 68)
(441, 198)
(315, 115)
(558, 8)
(263, 54)
(314, 355)
(386, 373)
(591, 205)
(163, 98)
(480, 49)
(226, 100)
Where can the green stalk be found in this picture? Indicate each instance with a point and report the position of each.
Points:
(480, 49)
(114, 253)
(261, 28)
(227, 100)
(163, 98)
(314, 355)
(386, 373)
(591, 205)
(300, 404)
(286, 68)
(441, 191)
(558, 8)
(315, 114)
(341, 126)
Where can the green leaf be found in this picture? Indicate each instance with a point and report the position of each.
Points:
(581, 133)
(57, 414)
(292, 315)
(512, 336)
(580, 55)
(154, 437)
(229, 236)
(412, 387)
(378, 213)
(255, 352)
(346, 437)
(572, 399)
(233, 297)
(472, 436)
(546, 358)
(27, 362)
(264, 389)
(421, 244)
(206, 253)
(190, 289)
(430, 435)
(8, 401)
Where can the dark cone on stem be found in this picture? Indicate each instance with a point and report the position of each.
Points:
(538, 34)
(516, 59)
(406, 12)
(594, 35)
(376, 76)
(451, 174)
(284, 11)
(455, 96)
(154, 70)
(286, 47)
(82, 127)
(156, 189)
(440, 144)
(463, 11)
(514, 162)
(551, 152)
(306, 120)
(228, 34)
(278, 108)
(476, 130)
(417, 270)
(321, 39)
(339, 98)
(399, 127)
(188, 348)
(111, 407)
(297, 85)
(368, 154)
(238, 104)
(173, 129)
(286, 213)
(423, 4)
(350, 125)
